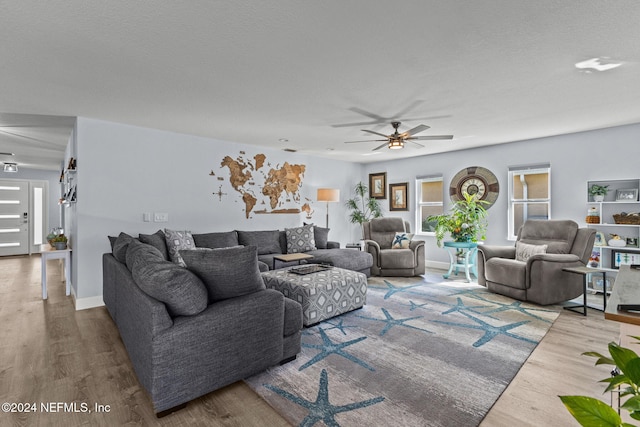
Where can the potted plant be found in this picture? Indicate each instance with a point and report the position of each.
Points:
(467, 221)
(598, 192)
(590, 412)
(60, 242)
(363, 208)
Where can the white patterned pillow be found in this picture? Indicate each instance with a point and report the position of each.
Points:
(300, 239)
(401, 241)
(524, 251)
(177, 241)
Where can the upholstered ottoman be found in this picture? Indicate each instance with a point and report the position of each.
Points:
(323, 294)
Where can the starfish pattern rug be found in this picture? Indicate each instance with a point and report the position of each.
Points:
(423, 351)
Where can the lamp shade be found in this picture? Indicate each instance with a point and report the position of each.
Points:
(328, 195)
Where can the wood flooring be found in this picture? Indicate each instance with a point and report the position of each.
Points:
(52, 355)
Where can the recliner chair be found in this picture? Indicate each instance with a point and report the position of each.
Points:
(379, 234)
(535, 274)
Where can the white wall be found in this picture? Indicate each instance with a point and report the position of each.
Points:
(612, 153)
(124, 171)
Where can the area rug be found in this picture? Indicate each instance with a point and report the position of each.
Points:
(422, 352)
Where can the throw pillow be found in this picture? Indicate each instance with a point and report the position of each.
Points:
(120, 247)
(524, 251)
(267, 241)
(182, 293)
(226, 272)
(177, 241)
(401, 240)
(216, 240)
(300, 239)
(158, 240)
(321, 234)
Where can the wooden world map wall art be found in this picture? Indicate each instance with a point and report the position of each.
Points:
(263, 188)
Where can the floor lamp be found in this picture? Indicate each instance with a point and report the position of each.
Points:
(328, 195)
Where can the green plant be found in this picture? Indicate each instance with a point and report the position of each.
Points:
(363, 208)
(467, 221)
(60, 238)
(598, 190)
(590, 412)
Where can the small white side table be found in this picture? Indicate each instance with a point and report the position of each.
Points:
(47, 253)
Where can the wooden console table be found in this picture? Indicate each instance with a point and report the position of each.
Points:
(47, 253)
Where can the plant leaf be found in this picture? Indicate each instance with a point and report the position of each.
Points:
(590, 412)
(621, 355)
(632, 404)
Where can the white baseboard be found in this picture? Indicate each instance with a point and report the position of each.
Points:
(90, 302)
(437, 264)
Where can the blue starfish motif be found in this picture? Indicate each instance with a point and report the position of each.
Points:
(414, 306)
(393, 289)
(461, 306)
(517, 306)
(490, 331)
(390, 322)
(328, 348)
(339, 326)
(322, 409)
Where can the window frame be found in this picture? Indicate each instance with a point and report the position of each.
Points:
(419, 203)
(512, 234)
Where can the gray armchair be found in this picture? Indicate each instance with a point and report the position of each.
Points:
(379, 234)
(535, 273)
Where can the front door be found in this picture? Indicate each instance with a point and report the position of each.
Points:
(14, 217)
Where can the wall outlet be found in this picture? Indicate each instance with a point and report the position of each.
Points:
(160, 217)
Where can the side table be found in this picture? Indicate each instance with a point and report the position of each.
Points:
(585, 272)
(461, 255)
(47, 253)
(291, 257)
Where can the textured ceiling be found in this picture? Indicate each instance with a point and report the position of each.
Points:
(256, 72)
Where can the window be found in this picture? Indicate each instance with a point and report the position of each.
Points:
(429, 196)
(529, 195)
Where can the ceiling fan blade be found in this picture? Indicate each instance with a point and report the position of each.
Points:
(413, 142)
(376, 133)
(415, 130)
(382, 146)
(432, 137)
(368, 140)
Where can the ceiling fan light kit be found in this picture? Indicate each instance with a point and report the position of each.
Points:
(396, 140)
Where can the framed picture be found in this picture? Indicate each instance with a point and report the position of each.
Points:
(398, 197)
(632, 241)
(622, 257)
(600, 239)
(627, 195)
(378, 185)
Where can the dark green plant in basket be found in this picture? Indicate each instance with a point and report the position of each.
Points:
(592, 412)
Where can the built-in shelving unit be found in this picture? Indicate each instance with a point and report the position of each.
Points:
(68, 183)
(613, 204)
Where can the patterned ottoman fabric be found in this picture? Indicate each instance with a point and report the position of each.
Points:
(324, 294)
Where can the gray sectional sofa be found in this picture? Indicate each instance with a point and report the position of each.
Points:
(189, 331)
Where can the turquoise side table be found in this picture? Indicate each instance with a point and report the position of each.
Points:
(466, 261)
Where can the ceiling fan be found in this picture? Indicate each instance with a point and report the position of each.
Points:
(396, 140)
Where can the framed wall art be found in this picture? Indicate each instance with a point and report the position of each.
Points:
(378, 185)
(398, 197)
(627, 195)
(622, 257)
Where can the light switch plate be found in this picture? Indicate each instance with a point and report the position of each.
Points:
(146, 217)
(160, 217)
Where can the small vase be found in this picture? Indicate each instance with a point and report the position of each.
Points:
(61, 245)
(598, 198)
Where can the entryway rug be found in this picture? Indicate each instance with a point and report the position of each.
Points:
(423, 351)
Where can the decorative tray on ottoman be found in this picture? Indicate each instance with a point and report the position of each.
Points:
(308, 269)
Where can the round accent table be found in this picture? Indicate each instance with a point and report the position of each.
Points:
(461, 255)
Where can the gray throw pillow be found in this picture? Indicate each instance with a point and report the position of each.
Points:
(216, 240)
(179, 289)
(300, 239)
(226, 272)
(120, 247)
(267, 241)
(177, 241)
(524, 251)
(157, 240)
(321, 234)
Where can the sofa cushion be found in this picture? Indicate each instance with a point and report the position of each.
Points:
(120, 247)
(300, 239)
(524, 251)
(182, 292)
(157, 240)
(321, 235)
(401, 240)
(226, 272)
(267, 241)
(397, 258)
(216, 240)
(508, 272)
(177, 241)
